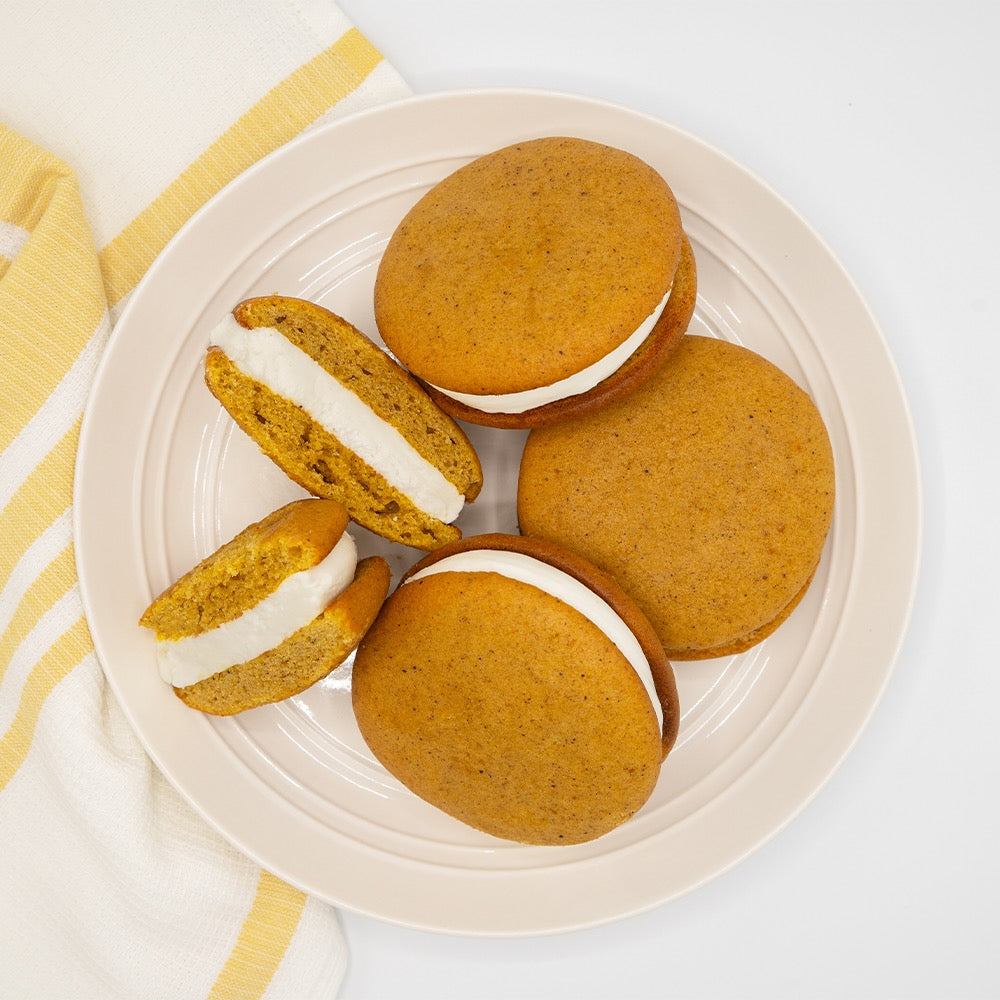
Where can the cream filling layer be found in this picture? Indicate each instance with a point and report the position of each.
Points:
(581, 381)
(268, 357)
(556, 583)
(298, 599)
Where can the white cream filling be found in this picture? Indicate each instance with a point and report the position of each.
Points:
(539, 574)
(298, 599)
(271, 359)
(572, 385)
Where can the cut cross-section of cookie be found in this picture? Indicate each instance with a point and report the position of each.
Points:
(269, 613)
(342, 419)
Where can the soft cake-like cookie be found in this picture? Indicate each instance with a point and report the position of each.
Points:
(517, 688)
(269, 613)
(342, 419)
(539, 280)
(708, 493)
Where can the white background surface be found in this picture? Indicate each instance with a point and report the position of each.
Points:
(878, 122)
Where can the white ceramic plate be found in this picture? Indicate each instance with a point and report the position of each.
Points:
(163, 478)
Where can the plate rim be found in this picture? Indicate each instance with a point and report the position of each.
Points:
(120, 331)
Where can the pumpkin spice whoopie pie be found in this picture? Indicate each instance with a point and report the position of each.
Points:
(539, 280)
(708, 494)
(269, 613)
(518, 689)
(342, 419)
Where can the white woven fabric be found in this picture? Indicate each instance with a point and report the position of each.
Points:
(117, 120)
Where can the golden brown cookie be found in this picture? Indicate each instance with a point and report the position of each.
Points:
(708, 493)
(269, 613)
(508, 707)
(342, 419)
(546, 261)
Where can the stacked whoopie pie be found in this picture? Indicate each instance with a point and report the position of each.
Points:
(674, 496)
(542, 280)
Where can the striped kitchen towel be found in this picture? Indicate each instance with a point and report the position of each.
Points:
(117, 121)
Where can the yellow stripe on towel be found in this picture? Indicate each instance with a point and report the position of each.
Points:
(53, 581)
(277, 117)
(62, 656)
(29, 176)
(43, 496)
(53, 295)
(262, 942)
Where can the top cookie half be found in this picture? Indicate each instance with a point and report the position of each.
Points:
(527, 266)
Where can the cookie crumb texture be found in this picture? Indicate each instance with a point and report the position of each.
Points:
(506, 709)
(317, 460)
(708, 493)
(303, 659)
(247, 568)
